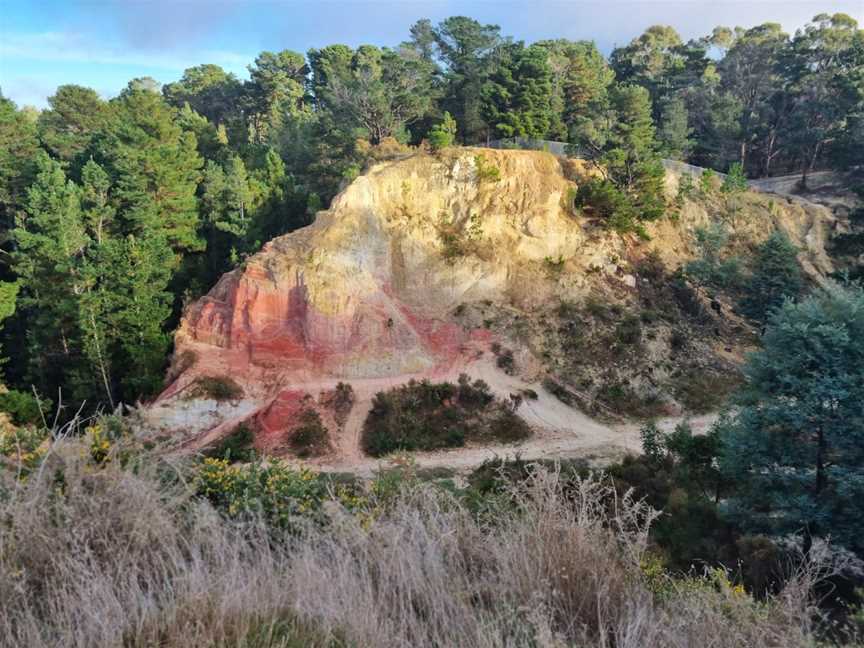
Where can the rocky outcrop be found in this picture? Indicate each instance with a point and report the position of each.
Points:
(371, 293)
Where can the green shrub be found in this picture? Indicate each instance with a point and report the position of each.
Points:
(24, 408)
(686, 188)
(776, 277)
(310, 438)
(602, 199)
(701, 391)
(710, 269)
(629, 330)
(278, 493)
(218, 388)
(486, 171)
(735, 180)
(561, 393)
(708, 182)
(428, 416)
(237, 446)
(443, 134)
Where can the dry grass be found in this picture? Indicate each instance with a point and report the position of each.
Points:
(127, 557)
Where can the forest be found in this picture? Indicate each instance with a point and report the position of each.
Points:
(116, 214)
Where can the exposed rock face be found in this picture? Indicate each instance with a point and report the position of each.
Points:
(370, 293)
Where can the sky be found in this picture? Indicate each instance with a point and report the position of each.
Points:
(105, 43)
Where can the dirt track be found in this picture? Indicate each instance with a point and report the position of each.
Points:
(559, 431)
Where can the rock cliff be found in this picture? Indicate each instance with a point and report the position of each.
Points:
(423, 267)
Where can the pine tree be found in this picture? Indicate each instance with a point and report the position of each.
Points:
(50, 244)
(155, 169)
(794, 447)
(776, 277)
(227, 208)
(621, 145)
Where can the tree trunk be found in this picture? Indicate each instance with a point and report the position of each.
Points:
(101, 360)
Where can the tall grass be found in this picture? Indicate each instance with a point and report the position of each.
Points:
(115, 556)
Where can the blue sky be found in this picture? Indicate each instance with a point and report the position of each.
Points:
(104, 43)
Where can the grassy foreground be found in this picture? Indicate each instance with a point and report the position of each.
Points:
(126, 549)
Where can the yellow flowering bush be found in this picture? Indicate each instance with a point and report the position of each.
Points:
(281, 494)
(23, 446)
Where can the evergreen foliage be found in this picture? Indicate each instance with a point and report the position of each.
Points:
(793, 445)
(114, 213)
(776, 277)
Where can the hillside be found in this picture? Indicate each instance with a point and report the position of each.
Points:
(429, 267)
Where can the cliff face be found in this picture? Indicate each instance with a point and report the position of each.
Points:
(376, 290)
(366, 290)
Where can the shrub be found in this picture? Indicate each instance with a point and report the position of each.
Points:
(776, 277)
(486, 171)
(701, 391)
(686, 188)
(310, 437)
(282, 495)
(24, 408)
(23, 446)
(601, 198)
(456, 242)
(629, 330)
(443, 134)
(340, 400)
(621, 398)
(428, 416)
(504, 360)
(708, 182)
(236, 446)
(553, 267)
(561, 393)
(218, 388)
(735, 180)
(710, 269)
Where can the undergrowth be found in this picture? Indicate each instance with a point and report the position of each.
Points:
(152, 552)
(428, 416)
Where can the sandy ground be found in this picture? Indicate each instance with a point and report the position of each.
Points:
(559, 431)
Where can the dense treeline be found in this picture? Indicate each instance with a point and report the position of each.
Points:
(114, 213)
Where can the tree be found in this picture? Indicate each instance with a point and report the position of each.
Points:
(826, 84)
(465, 47)
(776, 277)
(209, 90)
(155, 169)
(380, 92)
(517, 97)
(226, 207)
(75, 115)
(283, 206)
(674, 132)
(660, 62)
(751, 72)
(443, 134)
(794, 446)
(18, 146)
(275, 91)
(50, 243)
(8, 297)
(620, 144)
(580, 78)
